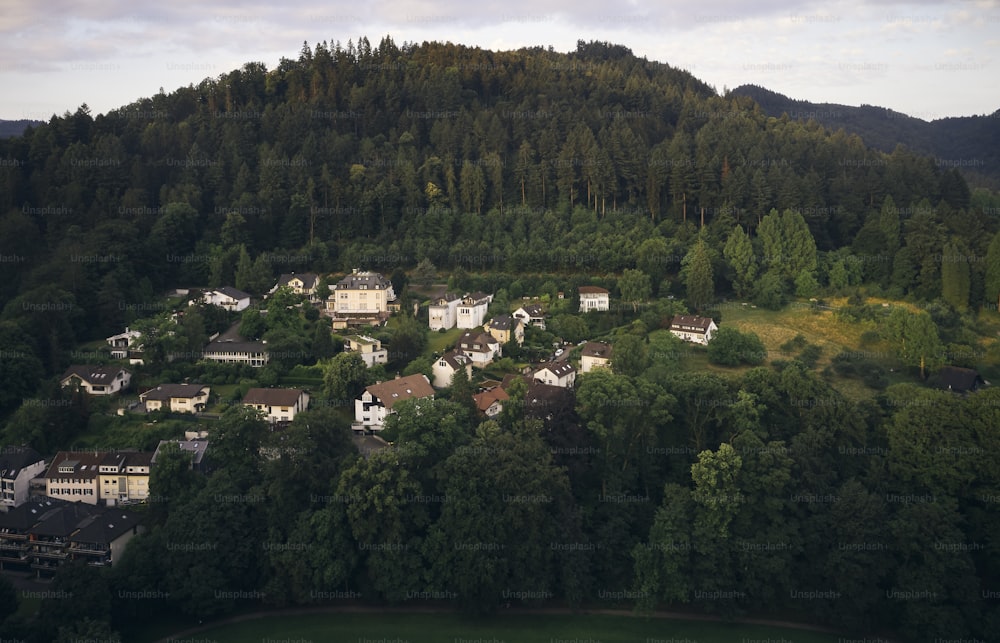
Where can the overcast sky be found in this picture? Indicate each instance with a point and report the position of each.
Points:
(929, 59)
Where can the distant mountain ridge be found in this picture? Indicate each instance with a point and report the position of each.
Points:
(968, 143)
(16, 128)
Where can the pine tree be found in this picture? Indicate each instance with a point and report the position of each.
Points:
(699, 279)
(955, 279)
(991, 296)
(739, 253)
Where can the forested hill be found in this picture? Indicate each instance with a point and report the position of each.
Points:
(508, 161)
(970, 143)
(16, 128)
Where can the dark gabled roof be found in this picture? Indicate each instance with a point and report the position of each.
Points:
(955, 378)
(454, 359)
(446, 299)
(401, 388)
(596, 349)
(471, 338)
(124, 459)
(542, 400)
(371, 281)
(229, 291)
(85, 464)
(104, 528)
(534, 310)
(22, 518)
(166, 392)
(93, 374)
(308, 279)
(196, 448)
(691, 323)
(502, 322)
(476, 299)
(64, 520)
(13, 459)
(272, 396)
(594, 290)
(559, 369)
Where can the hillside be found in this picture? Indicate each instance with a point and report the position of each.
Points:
(970, 143)
(16, 128)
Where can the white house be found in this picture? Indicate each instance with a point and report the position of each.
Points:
(692, 328)
(177, 398)
(532, 314)
(97, 380)
(122, 342)
(595, 355)
(18, 466)
(447, 365)
(369, 348)
(481, 348)
(594, 298)
(277, 404)
(443, 312)
(560, 373)
(377, 401)
(227, 297)
(472, 310)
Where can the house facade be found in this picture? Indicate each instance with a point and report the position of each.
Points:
(481, 348)
(176, 398)
(490, 403)
(595, 355)
(472, 310)
(443, 312)
(369, 348)
(361, 292)
(18, 466)
(97, 380)
(237, 352)
(377, 400)
(123, 478)
(279, 405)
(227, 297)
(560, 373)
(531, 315)
(74, 476)
(447, 365)
(505, 328)
(301, 284)
(124, 344)
(692, 328)
(594, 298)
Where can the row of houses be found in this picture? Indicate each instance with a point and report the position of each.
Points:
(43, 534)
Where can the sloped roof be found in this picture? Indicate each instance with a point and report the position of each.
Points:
(166, 392)
(196, 448)
(308, 279)
(502, 322)
(64, 520)
(534, 310)
(471, 338)
(955, 378)
(94, 374)
(596, 349)
(594, 290)
(486, 399)
(13, 459)
(106, 527)
(372, 281)
(455, 359)
(229, 291)
(401, 388)
(85, 464)
(22, 518)
(690, 323)
(559, 369)
(272, 396)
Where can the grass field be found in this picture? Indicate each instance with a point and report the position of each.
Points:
(438, 342)
(449, 628)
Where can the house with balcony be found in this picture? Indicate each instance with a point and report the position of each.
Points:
(18, 466)
(50, 537)
(126, 346)
(301, 284)
(15, 541)
(227, 297)
(369, 348)
(279, 405)
(377, 400)
(443, 312)
(236, 351)
(176, 398)
(481, 348)
(594, 298)
(531, 315)
(100, 540)
(692, 328)
(96, 380)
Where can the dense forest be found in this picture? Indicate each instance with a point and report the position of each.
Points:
(759, 492)
(969, 143)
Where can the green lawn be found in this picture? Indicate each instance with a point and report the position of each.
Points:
(437, 628)
(438, 342)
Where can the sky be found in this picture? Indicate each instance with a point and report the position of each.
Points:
(929, 59)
